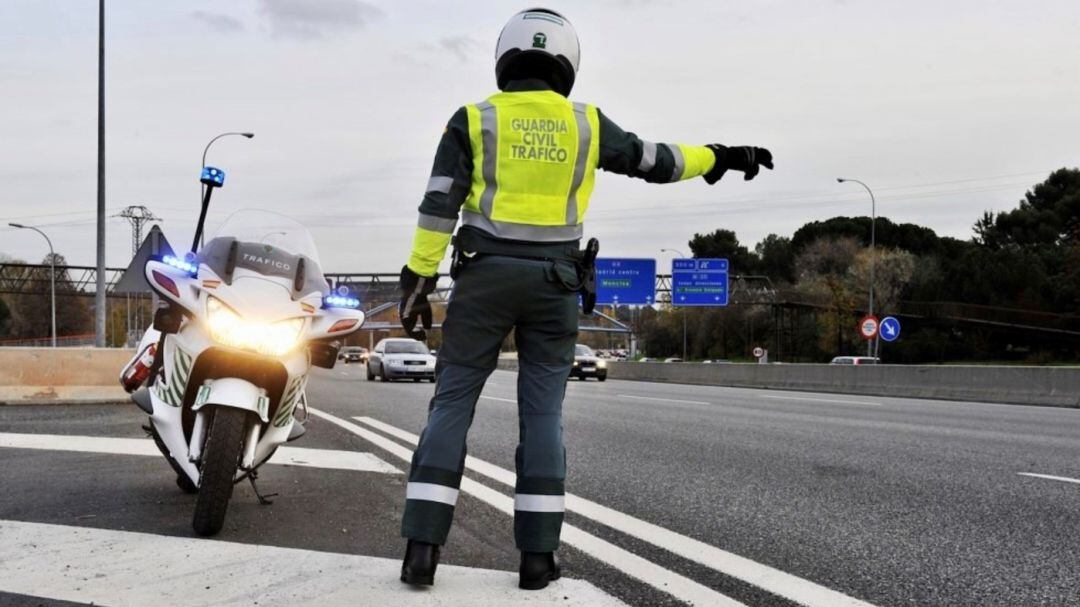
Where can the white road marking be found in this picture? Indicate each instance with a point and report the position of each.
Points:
(110, 567)
(501, 400)
(1049, 477)
(767, 578)
(821, 400)
(286, 456)
(652, 574)
(665, 400)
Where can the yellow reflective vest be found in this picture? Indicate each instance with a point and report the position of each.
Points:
(534, 160)
(535, 155)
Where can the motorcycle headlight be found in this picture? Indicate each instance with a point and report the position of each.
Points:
(229, 329)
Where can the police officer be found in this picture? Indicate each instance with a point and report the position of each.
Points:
(517, 171)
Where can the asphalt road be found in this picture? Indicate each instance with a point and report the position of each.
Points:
(682, 492)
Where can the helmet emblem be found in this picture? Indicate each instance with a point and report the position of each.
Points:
(539, 40)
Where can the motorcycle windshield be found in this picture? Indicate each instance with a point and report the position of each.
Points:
(268, 244)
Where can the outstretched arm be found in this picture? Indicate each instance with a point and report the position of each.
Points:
(627, 154)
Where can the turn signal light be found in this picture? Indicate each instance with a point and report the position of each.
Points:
(165, 282)
(342, 325)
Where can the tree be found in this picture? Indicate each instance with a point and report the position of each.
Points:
(908, 236)
(31, 311)
(1049, 215)
(777, 258)
(723, 243)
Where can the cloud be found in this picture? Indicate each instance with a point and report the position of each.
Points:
(461, 46)
(218, 22)
(310, 19)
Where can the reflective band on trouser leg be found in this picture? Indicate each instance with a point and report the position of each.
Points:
(539, 509)
(540, 503)
(581, 163)
(489, 128)
(648, 156)
(430, 498)
(680, 163)
(430, 492)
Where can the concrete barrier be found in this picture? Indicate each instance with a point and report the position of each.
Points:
(61, 375)
(1049, 386)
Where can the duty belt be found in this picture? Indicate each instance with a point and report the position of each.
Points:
(470, 243)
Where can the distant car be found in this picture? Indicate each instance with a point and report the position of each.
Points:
(354, 354)
(673, 359)
(588, 364)
(401, 358)
(646, 359)
(855, 360)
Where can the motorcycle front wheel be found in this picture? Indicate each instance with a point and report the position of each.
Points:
(221, 458)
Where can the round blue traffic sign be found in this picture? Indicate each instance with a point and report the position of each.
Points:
(890, 329)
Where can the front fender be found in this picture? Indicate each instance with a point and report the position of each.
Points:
(236, 393)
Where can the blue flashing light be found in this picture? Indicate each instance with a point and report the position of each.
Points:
(180, 264)
(213, 177)
(340, 301)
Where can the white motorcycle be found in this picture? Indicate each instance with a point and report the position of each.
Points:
(228, 358)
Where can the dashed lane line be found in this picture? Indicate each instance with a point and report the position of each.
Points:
(1050, 477)
(104, 566)
(821, 400)
(285, 456)
(501, 400)
(663, 400)
(680, 587)
(767, 578)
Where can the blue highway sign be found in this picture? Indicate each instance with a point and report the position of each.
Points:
(890, 329)
(626, 281)
(699, 282)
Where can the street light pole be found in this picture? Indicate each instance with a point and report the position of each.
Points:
(100, 302)
(684, 349)
(873, 219)
(52, 274)
(202, 186)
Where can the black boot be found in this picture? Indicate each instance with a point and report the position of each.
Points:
(537, 569)
(421, 558)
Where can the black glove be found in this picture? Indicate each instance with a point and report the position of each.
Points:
(414, 302)
(743, 158)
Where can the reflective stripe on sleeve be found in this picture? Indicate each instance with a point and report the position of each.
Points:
(430, 492)
(539, 503)
(584, 139)
(489, 133)
(680, 162)
(439, 183)
(648, 156)
(437, 224)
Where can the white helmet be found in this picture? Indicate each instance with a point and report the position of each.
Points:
(543, 34)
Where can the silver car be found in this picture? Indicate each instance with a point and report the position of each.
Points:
(401, 358)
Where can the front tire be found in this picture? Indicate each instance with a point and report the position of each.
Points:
(221, 458)
(370, 375)
(382, 374)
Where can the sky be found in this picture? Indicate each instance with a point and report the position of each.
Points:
(946, 109)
